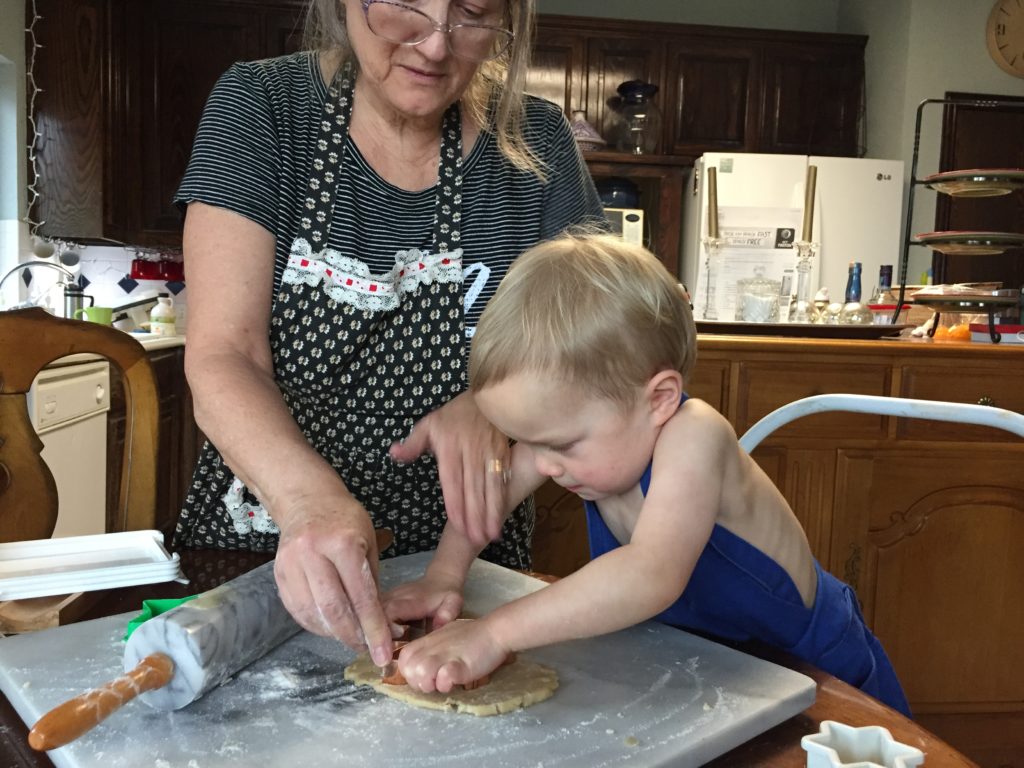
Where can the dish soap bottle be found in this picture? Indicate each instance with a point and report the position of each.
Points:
(161, 319)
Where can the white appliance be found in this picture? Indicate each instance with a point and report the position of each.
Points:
(858, 211)
(627, 223)
(67, 407)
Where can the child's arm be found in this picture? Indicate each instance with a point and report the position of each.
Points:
(438, 593)
(618, 589)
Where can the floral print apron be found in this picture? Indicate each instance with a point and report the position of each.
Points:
(359, 358)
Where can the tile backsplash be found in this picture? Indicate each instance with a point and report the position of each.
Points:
(105, 273)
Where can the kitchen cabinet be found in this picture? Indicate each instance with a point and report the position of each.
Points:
(180, 438)
(923, 519)
(720, 88)
(713, 104)
(613, 59)
(813, 100)
(123, 84)
(661, 180)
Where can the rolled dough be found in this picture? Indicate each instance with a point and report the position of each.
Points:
(519, 684)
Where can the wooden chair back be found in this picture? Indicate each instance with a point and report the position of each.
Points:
(30, 339)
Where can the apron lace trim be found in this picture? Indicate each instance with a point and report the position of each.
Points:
(349, 281)
(245, 516)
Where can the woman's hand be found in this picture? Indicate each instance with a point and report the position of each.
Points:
(326, 572)
(438, 599)
(472, 459)
(458, 653)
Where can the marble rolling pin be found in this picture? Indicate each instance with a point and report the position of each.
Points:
(173, 659)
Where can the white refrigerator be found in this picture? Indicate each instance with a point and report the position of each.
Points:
(858, 216)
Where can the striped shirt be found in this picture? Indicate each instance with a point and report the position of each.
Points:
(254, 148)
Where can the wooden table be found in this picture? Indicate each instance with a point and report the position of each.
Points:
(778, 747)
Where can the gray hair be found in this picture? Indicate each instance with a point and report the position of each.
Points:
(499, 83)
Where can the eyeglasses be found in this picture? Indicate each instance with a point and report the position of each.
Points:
(399, 23)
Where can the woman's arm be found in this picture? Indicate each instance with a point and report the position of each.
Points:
(327, 558)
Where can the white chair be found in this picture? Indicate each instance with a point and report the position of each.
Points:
(984, 415)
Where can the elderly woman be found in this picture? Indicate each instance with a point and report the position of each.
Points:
(350, 210)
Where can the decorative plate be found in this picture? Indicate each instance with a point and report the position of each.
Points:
(977, 182)
(800, 330)
(971, 243)
(966, 302)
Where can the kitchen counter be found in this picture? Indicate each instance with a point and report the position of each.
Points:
(151, 341)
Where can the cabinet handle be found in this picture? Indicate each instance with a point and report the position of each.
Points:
(986, 400)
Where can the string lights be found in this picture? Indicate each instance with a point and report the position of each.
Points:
(33, 194)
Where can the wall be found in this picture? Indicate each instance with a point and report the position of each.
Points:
(921, 49)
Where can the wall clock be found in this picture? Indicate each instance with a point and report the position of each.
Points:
(1004, 34)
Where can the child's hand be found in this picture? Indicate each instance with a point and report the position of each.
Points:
(460, 653)
(436, 598)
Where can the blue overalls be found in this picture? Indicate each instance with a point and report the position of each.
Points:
(737, 592)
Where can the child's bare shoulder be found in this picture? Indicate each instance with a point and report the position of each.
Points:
(697, 412)
(699, 424)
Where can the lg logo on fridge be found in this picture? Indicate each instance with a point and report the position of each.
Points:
(883, 176)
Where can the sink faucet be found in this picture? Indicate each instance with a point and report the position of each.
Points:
(25, 265)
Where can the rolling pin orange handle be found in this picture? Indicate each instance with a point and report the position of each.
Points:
(67, 722)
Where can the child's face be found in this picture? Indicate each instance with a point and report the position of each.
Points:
(590, 445)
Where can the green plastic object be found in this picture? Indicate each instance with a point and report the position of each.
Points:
(153, 608)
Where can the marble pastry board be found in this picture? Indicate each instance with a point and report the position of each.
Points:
(649, 695)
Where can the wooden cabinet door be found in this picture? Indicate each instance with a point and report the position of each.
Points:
(121, 96)
(181, 49)
(72, 72)
(812, 100)
(557, 69)
(930, 541)
(167, 369)
(282, 32)
(713, 98)
(614, 60)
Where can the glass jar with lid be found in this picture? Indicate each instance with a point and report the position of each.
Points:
(757, 299)
(637, 126)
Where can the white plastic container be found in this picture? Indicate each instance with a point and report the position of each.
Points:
(84, 563)
(162, 319)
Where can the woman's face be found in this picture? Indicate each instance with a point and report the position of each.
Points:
(418, 81)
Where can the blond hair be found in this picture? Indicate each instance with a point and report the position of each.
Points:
(500, 82)
(589, 311)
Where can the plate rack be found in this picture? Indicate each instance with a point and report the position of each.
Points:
(974, 182)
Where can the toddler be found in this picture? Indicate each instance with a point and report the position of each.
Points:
(582, 358)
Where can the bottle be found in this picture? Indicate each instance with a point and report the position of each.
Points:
(853, 312)
(883, 294)
(161, 318)
(853, 283)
